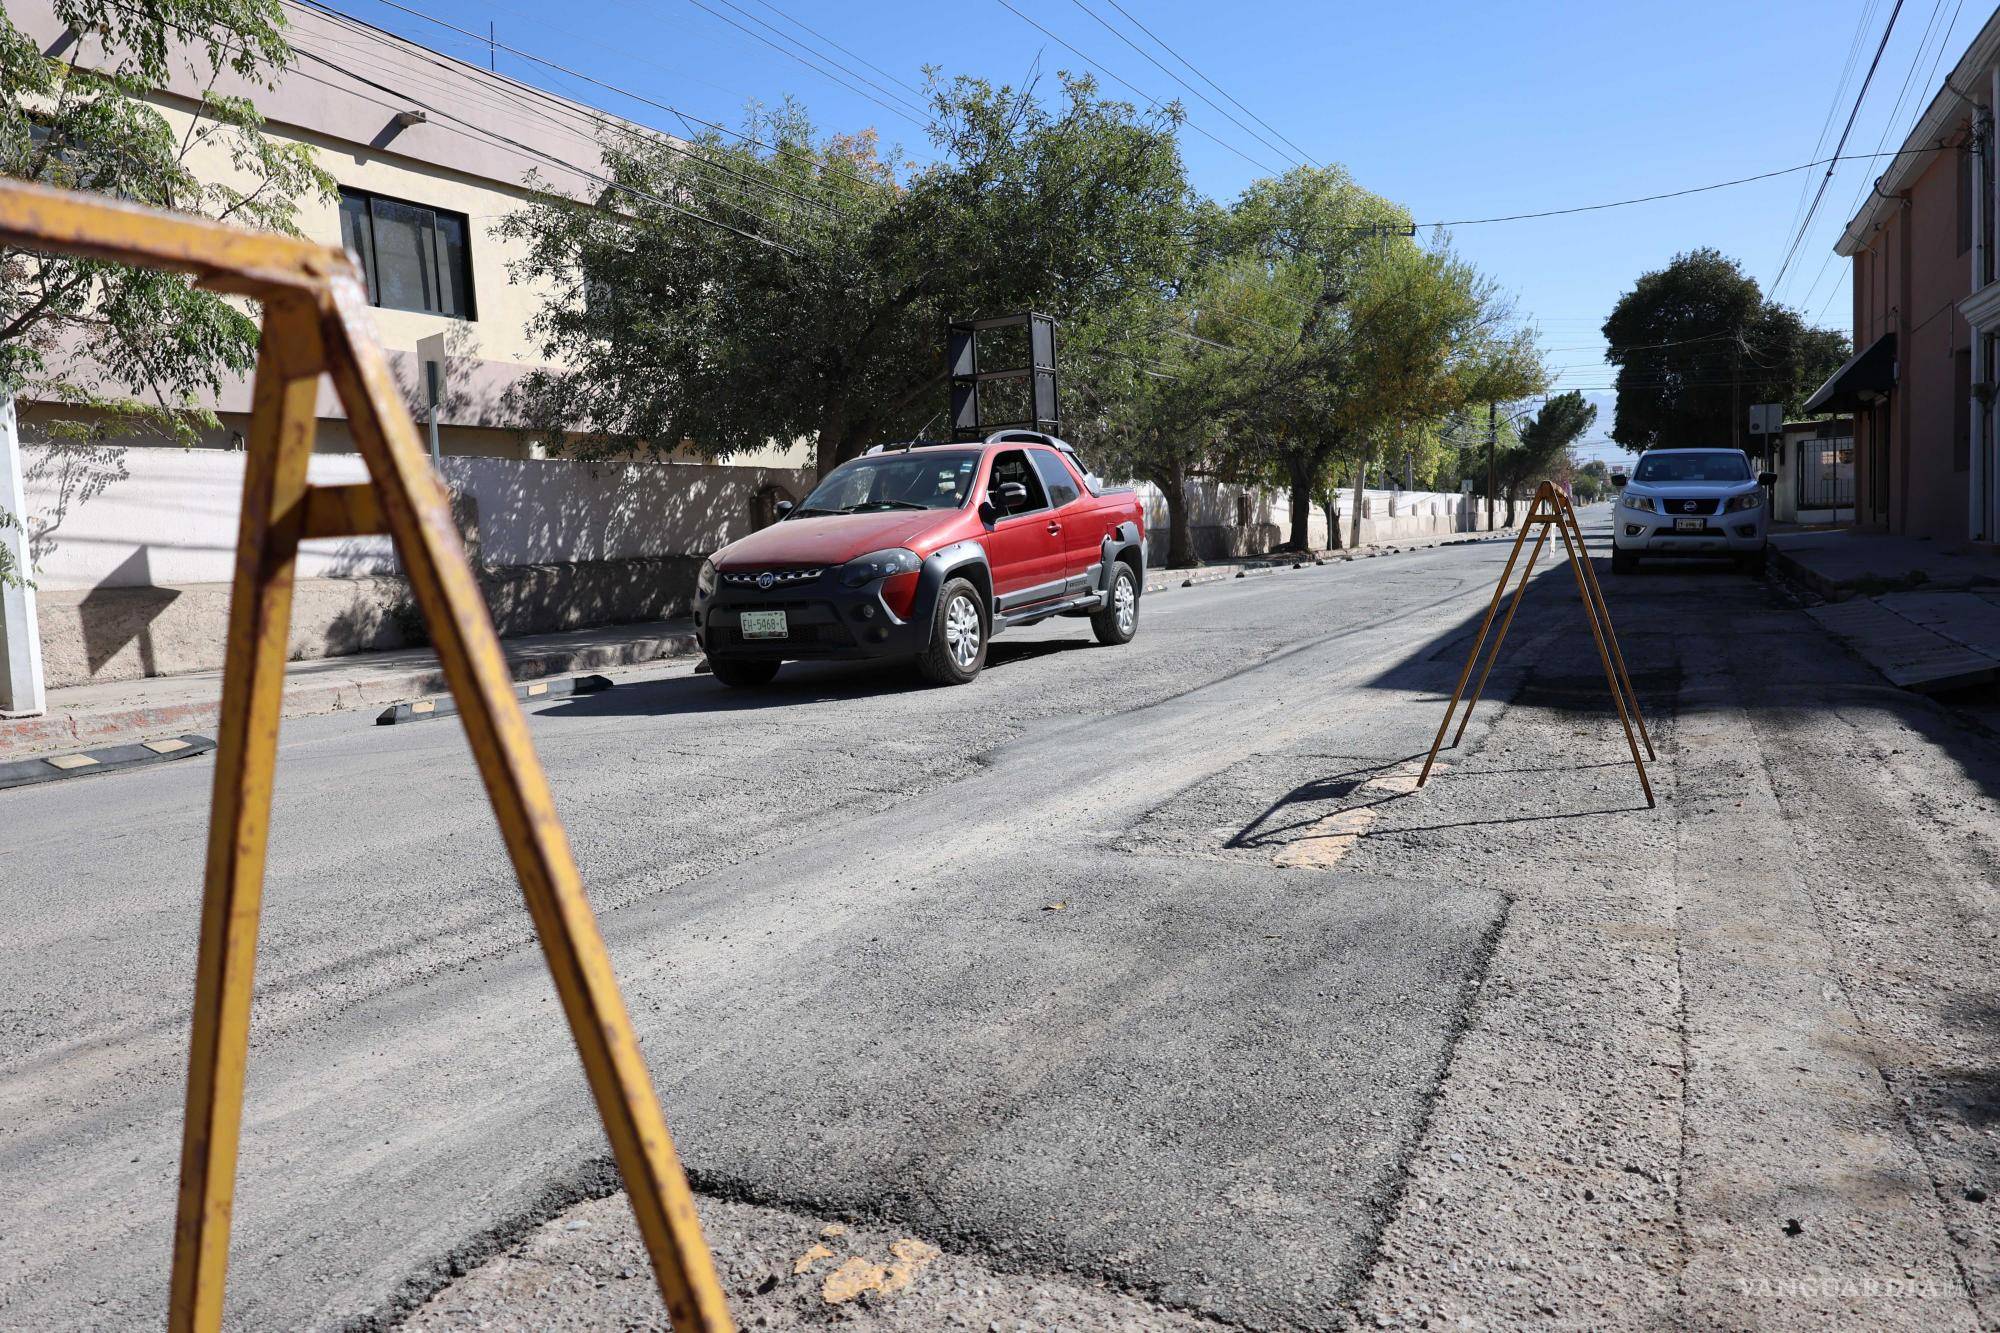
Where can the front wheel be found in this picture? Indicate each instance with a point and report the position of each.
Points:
(957, 647)
(1623, 562)
(1755, 563)
(741, 673)
(1119, 620)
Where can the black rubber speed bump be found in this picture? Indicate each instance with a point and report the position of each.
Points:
(83, 763)
(443, 705)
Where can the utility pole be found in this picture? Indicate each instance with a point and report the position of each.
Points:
(21, 693)
(1492, 439)
(1736, 391)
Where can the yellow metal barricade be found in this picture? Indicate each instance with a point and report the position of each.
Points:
(316, 323)
(1551, 508)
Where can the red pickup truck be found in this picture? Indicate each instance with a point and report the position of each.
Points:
(926, 551)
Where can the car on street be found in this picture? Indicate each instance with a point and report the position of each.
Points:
(924, 551)
(1692, 502)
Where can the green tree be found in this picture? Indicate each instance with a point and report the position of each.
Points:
(1590, 480)
(1544, 445)
(82, 121)
(120, 349)
(1308, 239)
(822, 317)
(1696, 343)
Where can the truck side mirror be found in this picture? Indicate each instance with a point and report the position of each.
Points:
(1767, 479)
(1618, 480)
(783, 507)
(1012, 495)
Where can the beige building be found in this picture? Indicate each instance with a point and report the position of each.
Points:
(430, 153)
(132, 546)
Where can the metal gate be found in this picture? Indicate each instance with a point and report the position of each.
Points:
(1826, 473)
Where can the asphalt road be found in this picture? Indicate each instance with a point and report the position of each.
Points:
(1140, 966)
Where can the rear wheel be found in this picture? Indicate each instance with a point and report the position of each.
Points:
(1623, 562)
(1119, 620)
(741, 673)
(957, 647)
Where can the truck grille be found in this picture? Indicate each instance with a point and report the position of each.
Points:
(780, 578)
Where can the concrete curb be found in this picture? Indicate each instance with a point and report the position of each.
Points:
(25, 737)
(1799, 572)
(1162, 580)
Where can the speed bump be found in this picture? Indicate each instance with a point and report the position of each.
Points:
(423, 710)
(54, 767)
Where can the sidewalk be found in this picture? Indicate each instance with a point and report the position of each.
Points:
(86, 715)
(1927, 619)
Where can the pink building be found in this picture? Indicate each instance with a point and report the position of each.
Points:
(1927, 320)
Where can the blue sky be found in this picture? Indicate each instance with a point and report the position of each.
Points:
(1460, 110)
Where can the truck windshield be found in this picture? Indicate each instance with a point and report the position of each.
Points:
(1692, 465)
(918, 479)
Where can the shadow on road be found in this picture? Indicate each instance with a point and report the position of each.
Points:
(1263, 831)
(797, 683)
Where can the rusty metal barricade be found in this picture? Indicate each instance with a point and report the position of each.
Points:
(1551, 508)
(316, 323)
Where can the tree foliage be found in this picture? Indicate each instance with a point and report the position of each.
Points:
(1544, 444)
(82, 120)
(823, 316)
(1696, 343)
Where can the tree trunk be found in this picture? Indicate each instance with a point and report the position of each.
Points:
(832, 442)
(1511, 492)
(1300, 473)
(1180, 536)
(1360, 487)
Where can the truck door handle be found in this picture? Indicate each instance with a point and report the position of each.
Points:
(1055, 527)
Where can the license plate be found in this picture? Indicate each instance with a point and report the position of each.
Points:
(763, 624)
(1689, 525)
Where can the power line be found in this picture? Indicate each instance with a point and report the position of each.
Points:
(550, 158)
(819, 55)
(1670, 194)
(838, 47)
(922, 125)
(1833, 103)
(1153, 101)
(1102, 22)
(1210, 82)
(581, 110)
(1846, 130)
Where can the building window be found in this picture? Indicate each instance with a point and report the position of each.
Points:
(414, 257)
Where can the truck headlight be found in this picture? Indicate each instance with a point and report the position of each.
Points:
(1753, 500)
(1644, 502)
(704, 582)
(879, 565)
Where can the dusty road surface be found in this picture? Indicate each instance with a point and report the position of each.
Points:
(1127, 988)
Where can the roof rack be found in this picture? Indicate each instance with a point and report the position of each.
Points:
(1030, 437)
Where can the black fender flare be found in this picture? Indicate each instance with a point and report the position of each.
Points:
(967, 558)
(1127, 539)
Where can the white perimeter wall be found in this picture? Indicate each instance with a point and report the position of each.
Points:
(137, 517)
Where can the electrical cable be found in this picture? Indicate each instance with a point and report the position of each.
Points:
(1820, 194)
(1206, 99)
(895, 111)
(792, 19)
(550, 158)
(1154, 102)
(1210, 82)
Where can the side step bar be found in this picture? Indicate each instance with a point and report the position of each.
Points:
(1027, 615)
